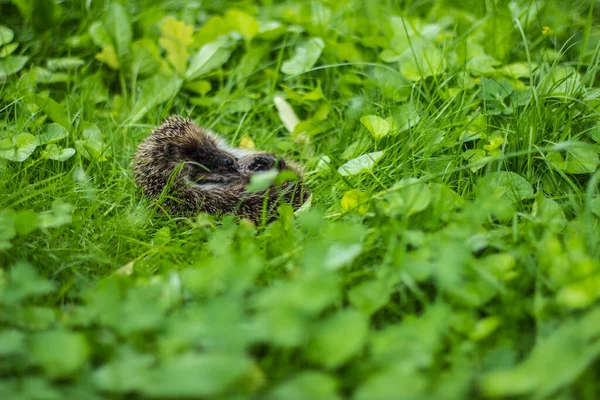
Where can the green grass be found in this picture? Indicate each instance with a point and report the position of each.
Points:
(462, 263)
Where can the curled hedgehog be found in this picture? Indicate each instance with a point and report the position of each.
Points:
(188, 169)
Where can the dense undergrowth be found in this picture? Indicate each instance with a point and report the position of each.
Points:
(451, 248)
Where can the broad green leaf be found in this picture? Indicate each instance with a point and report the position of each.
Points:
(52, 133)
(595, 133)
(176, 38)
(59, 215)
(286, 114)
(196, 375)
(156, 90)
(396, 381)
(26, 221)
(145, 57)
(6, 35)
(24, 283)
(127, 373)
(213, 28)
(499, 32)
(369, 296)
(422, 62)
(505, 184)
(211, 56)
(484, 328)
(355, 200)
(306, 385)
(12, 342)
(305, 58)
(360, 164)
(262, 180)
(579, 160)
(338, 338)
(65, 63)
(377, 126)
(23, 145)
(407, 197)
(475, 157)
(59, 353)
(100, 35)
(91, 147)
(492, 89)
(55, 152)
(8, 49)
(244, 23)
(108, 56)
(574, 345)
(51, 108)
(118, 26)
(341, 254)
(7, 227)
(11, 65)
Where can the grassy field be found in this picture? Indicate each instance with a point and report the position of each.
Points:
(451, 248)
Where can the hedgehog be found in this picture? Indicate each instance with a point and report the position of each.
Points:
(187, 169)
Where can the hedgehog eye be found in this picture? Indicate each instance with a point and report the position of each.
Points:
(229, 162)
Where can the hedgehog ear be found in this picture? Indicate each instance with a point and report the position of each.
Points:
(170, 150)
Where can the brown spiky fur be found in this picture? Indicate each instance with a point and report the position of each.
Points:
(188, 169)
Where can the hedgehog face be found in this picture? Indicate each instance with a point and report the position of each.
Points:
(202, 159)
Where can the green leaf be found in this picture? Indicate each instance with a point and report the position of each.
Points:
(59, 215)
(360, 164)
(118, 26)
(341, 254)
(196, 375)
(91, 147)
(307, 385)
(491, 89)
(64, 63)
(244, 23)
(59, 353)
(57, 153)
(156, 90)
(261, 180)
(52, 133)
(11, 65)
(595, 133)
(176, 38)
(306, 56)
(377, 126)
(579, 160)
(12, 342)
(407, 197)
(574, 346)
(505, 184)
(499, 31)
(8, 49)
(26, 221)
(127, 373)
(338, 338)
(6, 35)
(355, 200)
(475, 157)
(51, 108)
(23, 145)
(7, 227)
(421, 62)
(210, 57)
(145, 57)
(24, 283)
(369, 296)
